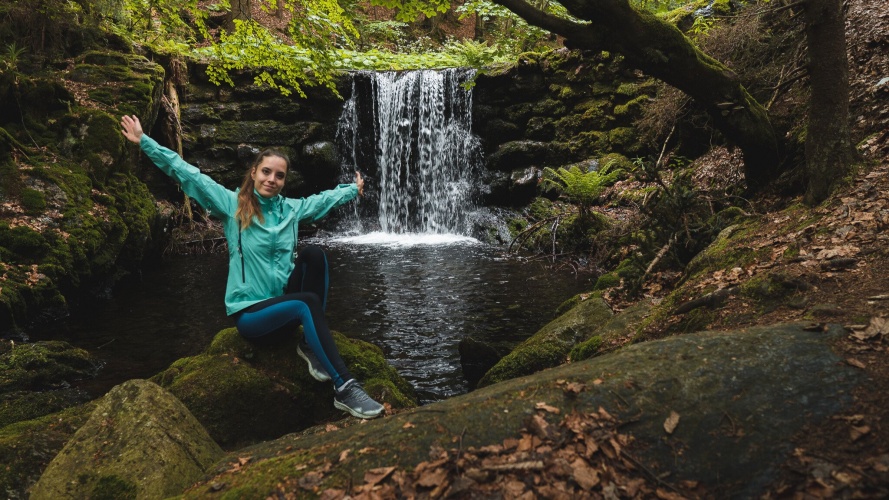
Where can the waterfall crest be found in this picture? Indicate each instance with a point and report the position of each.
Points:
(410, 134)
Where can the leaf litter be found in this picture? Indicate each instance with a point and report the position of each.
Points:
(581, 455)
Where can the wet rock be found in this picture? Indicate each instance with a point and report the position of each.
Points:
(550, 346)
(139, 442)
(477, 357)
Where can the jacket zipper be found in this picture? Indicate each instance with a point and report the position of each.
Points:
(241, 252)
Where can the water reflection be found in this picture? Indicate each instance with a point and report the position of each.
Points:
(414, 301)
(418, 301)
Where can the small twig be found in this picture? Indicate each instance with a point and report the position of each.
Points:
(731, 421)
(647, 471)
(459, 451)
(660, 255)
(106, 343)
(620, 397)
(530, 465)
(664, 147)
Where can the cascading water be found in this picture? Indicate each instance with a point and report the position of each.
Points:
(410, 134)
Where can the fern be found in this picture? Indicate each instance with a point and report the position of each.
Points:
(582, 188)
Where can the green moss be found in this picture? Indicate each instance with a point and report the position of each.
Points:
(20, 406)
(44, 364)
(550, 346)
(22, 244)
(624, 139)
(586, 349)
(608, 280)
(549, 107)
(113, 488)
(631, 108)
(33, 201)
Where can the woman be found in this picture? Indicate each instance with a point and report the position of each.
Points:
(266, 289)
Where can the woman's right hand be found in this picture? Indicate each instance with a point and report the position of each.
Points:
(132, 129)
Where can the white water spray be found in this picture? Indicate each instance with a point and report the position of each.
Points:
(410, 132)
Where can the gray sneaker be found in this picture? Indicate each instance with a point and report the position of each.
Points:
(352, 398)
(316, 369)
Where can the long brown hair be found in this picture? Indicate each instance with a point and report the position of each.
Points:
(248, 205)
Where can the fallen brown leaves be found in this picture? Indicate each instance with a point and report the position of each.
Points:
(580, 456)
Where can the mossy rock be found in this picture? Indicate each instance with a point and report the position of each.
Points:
(44, 365)
(268, 132)
(19, 406)
(139, 442)
(730, 249)
(613, 333)
(98, 233)
(27, 447)
(244, 392)
(550, 346)
(129, 83)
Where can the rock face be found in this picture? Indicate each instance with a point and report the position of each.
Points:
(77, 219)
(551, 111)
(139, 442)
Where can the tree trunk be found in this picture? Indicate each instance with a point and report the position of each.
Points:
(661, 50)
(829, 151)
(241, 9)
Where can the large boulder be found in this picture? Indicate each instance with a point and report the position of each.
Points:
(739, 398)
(139, 442)
(550, 346)
(244, 392)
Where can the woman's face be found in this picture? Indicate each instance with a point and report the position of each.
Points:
(268, 176)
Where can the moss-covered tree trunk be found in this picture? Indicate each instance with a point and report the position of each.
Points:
(661, 50)
(829, 150)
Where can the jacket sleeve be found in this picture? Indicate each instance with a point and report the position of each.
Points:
(207, 192)
(315, 207)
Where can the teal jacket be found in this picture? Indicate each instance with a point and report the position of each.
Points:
(260, 258)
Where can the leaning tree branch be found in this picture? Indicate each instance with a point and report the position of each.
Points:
(661, 50)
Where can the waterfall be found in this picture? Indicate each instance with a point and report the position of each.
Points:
(410, 134)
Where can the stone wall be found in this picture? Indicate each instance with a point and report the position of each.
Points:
(559, 109)
(545, 111)
(225, 127)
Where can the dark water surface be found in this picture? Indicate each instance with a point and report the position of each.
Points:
(416, 302)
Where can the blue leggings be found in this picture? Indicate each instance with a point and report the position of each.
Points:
(303, 302)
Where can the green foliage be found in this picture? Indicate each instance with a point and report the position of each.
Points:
(9, 61)
(507, 28)
(412, 10)
(680, 220)
(581, 187)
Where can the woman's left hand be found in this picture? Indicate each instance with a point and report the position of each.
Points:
(360, 182)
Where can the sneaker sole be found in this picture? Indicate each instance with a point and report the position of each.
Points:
(356, 413)
(319, 376)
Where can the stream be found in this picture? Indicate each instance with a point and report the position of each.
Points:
(415, 297)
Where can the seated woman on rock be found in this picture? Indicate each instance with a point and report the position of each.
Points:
(266, 289)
